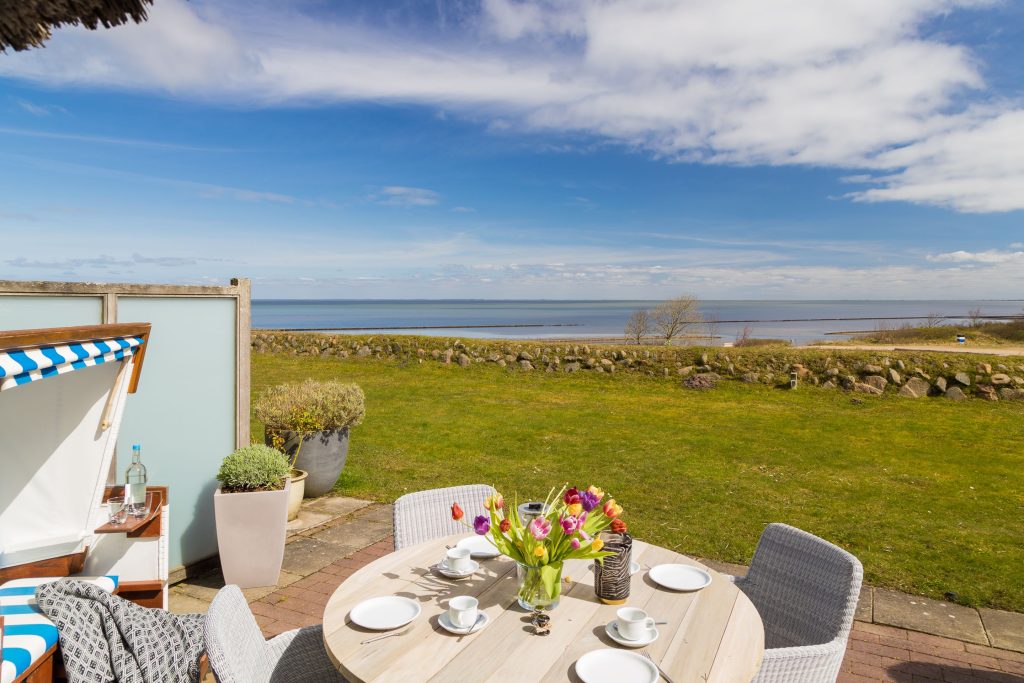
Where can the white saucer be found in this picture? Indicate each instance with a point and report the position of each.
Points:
(447, 625)
(615, 666)
(442, 567)
(679, 577)
(634, 567)
(478, 546)
(612, 629)
(384, 613)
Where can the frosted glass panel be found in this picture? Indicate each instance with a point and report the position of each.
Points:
(183, 414)
(29, 312)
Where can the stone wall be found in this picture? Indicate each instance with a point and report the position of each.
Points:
(908, 374)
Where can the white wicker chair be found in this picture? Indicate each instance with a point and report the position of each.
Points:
(424, 515)
(806, 591)
(239, 654)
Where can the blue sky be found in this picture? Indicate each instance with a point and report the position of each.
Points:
(526, 149)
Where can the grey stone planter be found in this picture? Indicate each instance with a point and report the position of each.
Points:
(322, 455)
(250, 535)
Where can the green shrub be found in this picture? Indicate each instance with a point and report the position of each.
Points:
(253, 468)
(311, 406)
(754, 341)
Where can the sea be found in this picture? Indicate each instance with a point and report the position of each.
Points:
(799, 322)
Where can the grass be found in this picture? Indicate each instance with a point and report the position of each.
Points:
(981, 334)
(926, 493)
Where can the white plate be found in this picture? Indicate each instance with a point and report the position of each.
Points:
(679, 577)
(447, 625)
(634, 567)
(478, 546)
(612, 629)
(442, 567)
(615, 666)
(384, 613)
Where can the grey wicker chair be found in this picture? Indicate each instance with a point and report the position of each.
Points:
(239, 654)
(806, 591)
(424, 515)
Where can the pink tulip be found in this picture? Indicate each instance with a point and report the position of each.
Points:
(569, 524)
(540, 528)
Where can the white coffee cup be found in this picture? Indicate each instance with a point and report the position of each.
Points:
(462, 610)
(458, 560)
(633, 623)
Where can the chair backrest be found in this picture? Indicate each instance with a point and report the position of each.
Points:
(805, 588)
(424, 515)
(234, 643)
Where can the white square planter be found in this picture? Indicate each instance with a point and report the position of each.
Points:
(250, 535)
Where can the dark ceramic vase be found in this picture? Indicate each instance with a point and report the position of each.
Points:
(322, 455)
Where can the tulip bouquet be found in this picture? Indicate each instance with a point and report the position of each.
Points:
(567, 529)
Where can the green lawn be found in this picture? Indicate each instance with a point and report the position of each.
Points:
(927, 493)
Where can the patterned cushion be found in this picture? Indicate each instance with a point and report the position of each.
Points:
(27, 633)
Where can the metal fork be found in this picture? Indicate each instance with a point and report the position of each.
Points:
(660, 670)
(386, 635)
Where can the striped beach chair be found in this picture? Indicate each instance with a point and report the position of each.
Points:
(29, 638)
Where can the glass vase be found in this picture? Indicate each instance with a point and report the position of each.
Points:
(539, 587)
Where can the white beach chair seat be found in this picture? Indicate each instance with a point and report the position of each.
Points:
(28, 634)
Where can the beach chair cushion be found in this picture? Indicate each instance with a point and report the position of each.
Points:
(28, 634)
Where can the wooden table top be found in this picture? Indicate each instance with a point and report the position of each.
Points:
(713, 635)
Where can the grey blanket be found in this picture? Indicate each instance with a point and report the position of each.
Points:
(105, 638)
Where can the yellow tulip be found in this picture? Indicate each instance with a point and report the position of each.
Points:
(576, 509)
(597, 544)
(596, 491)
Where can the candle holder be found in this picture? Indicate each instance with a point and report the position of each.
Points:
(612, 577)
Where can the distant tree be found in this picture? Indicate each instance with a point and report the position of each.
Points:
(884, 332)
(676, 317)
(974, 315)
(712, 328)
(638, 326)
(743, 336)
(934, 320)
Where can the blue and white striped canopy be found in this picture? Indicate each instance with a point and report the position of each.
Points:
(21, 366)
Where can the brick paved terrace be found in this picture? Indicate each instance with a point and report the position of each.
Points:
(897, 637)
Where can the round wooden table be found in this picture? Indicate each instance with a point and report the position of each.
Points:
(713, 635)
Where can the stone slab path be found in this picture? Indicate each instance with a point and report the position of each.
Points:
(897, 637)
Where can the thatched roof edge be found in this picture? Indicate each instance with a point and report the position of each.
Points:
(27, 23)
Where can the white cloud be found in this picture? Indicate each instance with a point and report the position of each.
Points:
(40, 109)
(976, 168)
(353, 264)
(241, 194)
(851, 84)
(398, 195)
(106, 140)
(991, 256)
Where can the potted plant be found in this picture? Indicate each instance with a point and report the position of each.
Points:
(296, 476)
(251, 507)
(310, 422)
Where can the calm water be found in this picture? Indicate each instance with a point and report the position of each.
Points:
(586, 319)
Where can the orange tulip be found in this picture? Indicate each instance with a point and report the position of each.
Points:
(457, 512)
(618, 526)
(505, 525)
(612, 509)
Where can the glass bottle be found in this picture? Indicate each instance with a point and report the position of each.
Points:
(135, 484)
